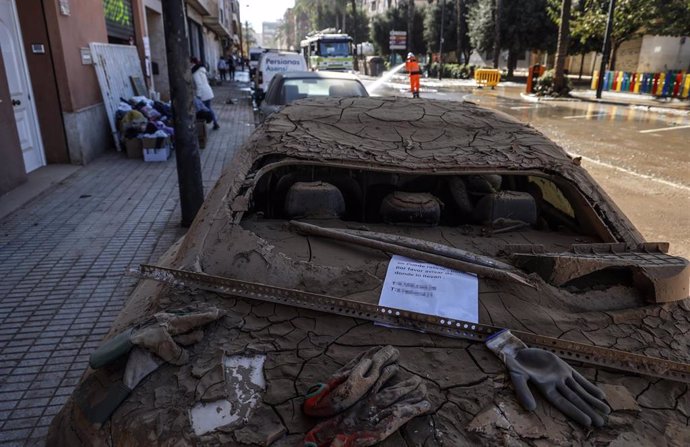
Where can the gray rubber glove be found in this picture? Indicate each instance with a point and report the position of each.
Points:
(351, 382)
(558, 382)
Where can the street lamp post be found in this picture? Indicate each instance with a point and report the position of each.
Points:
(440, 40)
(606, 50)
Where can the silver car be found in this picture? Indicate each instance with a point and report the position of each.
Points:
(288, 87)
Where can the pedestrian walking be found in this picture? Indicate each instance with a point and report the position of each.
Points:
(222, 69)
(412, 67)
(202, 89)
(231, 67)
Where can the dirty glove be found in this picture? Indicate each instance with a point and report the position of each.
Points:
(558, 382)
(374, 418)
(156, 336)
(147, 346)
(352, 382)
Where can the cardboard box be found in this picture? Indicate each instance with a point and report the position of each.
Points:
(201, 132)
(157, 154)
(155, 143)
(156, 149)
(134, 148)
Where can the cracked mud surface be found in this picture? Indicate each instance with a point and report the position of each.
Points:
(472, 398)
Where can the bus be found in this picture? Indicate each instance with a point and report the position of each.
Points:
(328, 50)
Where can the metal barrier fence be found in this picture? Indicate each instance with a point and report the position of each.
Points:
(487, 77)
(670, 84)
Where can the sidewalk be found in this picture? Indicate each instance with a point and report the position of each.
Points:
(62, 258)
(647, 102)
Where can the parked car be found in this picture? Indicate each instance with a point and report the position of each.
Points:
(254, 55)
(272, 63)
(288, 87)
(286, 307)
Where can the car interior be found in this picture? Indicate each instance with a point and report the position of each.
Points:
(294, 89)
(509, 201)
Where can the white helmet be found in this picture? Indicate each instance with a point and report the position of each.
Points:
(410, 55)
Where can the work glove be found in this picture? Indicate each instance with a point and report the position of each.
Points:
(352, 382)
(147, 347)
(156, 336)
(558, 382)
(374, 418)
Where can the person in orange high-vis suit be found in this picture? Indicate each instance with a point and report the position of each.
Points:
(412, 67)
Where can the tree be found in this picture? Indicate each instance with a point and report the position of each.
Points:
(498, 12)
(670, 18)
(432, 27)
(630, 19)
(397, 19)
(576, 44)
(315, 15)
(480, 26)
(249, 38)
(559, 81)
(463, 48)
(524, 25)
(410, 22)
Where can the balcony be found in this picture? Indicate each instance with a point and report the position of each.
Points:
(203, 7)
(218, 18)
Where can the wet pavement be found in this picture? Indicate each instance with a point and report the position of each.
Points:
(640, 157)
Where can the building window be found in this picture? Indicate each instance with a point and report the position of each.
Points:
(119, 22)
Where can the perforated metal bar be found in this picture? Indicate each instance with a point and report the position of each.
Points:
(593, 355)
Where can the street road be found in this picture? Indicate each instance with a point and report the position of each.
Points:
(641, 158)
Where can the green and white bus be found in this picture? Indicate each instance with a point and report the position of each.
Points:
(328, 50)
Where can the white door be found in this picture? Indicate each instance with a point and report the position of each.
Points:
(20, 87)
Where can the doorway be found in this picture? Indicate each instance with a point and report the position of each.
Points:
(21, 95)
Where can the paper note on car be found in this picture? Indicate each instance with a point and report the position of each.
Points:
(430, 289)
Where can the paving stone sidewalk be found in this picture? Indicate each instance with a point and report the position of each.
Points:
(62, 258)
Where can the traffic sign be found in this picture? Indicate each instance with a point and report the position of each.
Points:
(397, 40)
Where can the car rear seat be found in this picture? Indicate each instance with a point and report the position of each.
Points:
(340, 90)
(290, 93)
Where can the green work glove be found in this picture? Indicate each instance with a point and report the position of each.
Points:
(374, 418)
(156, 336)
(352, 382)
(558, 382)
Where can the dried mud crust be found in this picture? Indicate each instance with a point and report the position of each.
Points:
(472, 398)
(615, 317)
(423, 134)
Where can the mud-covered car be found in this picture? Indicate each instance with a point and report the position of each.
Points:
(275, 286)
(288, 87)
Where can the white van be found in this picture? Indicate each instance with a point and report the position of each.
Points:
(272, 62)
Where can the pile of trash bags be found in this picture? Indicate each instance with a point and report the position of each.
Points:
(140, 117)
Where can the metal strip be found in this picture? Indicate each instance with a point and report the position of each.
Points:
(593, 355)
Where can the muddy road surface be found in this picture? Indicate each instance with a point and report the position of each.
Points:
(641, 158)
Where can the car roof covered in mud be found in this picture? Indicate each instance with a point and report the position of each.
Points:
(406, 134)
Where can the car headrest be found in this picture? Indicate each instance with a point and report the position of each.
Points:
(340, 90)
(290, 93)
